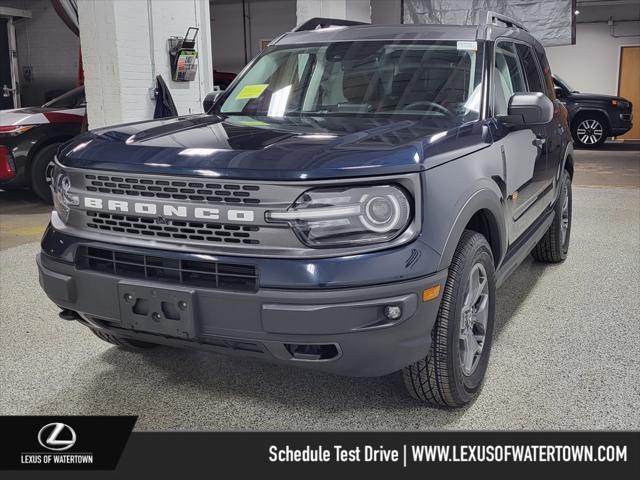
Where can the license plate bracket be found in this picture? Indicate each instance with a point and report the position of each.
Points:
(157, 310)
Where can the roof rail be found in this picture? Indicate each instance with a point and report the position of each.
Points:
(508, 21)
(319, 22)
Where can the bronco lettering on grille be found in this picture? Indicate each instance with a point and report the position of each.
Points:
(167, 210)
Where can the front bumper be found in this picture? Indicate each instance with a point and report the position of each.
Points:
(621, 123)
(275, 324)
(18, 151)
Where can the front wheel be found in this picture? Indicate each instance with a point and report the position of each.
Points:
(41, 171)
(589, 131)
(452, 373)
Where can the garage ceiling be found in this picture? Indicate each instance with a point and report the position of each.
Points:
(551, 21)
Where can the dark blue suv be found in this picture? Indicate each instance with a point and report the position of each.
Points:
(349, 204)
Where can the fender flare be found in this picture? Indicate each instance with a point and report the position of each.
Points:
(587, 109)
(568, 152)
(566, 158)
(484, 199)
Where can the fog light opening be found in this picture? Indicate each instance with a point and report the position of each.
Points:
(392, 312)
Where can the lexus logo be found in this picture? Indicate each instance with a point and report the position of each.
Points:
(57, 436)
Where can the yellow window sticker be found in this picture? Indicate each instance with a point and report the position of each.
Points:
(252, 91)
(253, 123)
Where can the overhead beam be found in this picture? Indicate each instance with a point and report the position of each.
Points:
(605, 3)
(14, 12)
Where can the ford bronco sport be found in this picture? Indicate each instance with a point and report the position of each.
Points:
(349, 204)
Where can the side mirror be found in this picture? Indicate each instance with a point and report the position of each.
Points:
(529, 108)
(559, 91)
(209, 100)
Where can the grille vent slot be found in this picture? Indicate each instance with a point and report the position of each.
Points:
(208, 274)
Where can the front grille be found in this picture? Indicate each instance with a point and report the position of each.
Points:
(172, 229)
(172, 189)
(223, 276)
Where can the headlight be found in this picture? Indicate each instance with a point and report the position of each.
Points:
(620, 104)
(333, 217)
(15, 129)
(62, 196)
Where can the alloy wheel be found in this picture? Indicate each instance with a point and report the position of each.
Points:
(48, 172)
(473, 321)
(590, 131)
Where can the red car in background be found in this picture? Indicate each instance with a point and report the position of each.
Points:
(30, 137)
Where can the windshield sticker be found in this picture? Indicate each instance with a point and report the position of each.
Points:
(253, 123)
(252, 91)
(473, 46)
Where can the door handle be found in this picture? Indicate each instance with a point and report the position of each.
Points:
(539, 141)
(6, 91)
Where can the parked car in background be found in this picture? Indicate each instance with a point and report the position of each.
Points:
(30, 137)
(223, 79)
(592, 117)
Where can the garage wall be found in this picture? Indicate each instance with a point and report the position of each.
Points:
(591, 65)
(117, 41)
(386, 12)
(47, 45)
(267, 19)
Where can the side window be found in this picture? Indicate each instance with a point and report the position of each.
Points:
(531, 70)
(546, 72)
(508, 77)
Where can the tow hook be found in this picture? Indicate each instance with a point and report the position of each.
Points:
(67, 314)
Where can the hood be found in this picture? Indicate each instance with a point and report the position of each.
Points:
(594, 97)
(40, 115)
(268, 148)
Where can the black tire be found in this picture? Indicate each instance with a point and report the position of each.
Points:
(554, 246)
(127, 343)
(40, 171)
(590, 130)
(439, 379)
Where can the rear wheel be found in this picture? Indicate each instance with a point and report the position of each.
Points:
(554, 246)
(589, 130)
(452, 373)
(123, 342)
(41, 170)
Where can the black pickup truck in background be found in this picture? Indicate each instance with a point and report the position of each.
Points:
(592, 117)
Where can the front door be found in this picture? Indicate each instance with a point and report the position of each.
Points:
(524, 149)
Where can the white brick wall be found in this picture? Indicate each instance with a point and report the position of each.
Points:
(359, 10)
(116, 47)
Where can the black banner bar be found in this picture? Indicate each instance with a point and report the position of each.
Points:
(35, 444)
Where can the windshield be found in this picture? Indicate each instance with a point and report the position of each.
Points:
(72, 99)
(427, 79)
(564, 84)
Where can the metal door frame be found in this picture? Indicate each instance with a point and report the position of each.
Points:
(10, 14)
